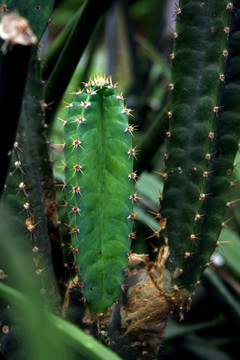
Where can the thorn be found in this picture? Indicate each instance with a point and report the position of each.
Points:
(168, 133)
(133, 176)
(78, 92)
(78, 168)
(84, 104)
(163, 174)
(199, 282)
(75, 144)
(216, 109)
(130, 129)
(62, 146)
(219, 243)
(80, 120)
(193, 237)
(156, 233)
(232, 183)
(64, 205)
(26, 206)
(30, 224)
(157, 215)
(229, 6)
(127, 111)
(75, 190)
(174, 33)
(18, 166)
(211, 135)
(227, 30)
(44, 105)
(176, 288)
(63, 167)
(155, 249)
(73, 250)
(120, 96)
(16, 146)
(76, 210)
(206, 174)
(134, 197)
(229, 203)
(222, 77)
(225, 53)
(22, 187)
(91, 92)
(198, 217)
(73, 230)
(63, 185)
(132, 235)
(63, 121)
(68, 104)
(169, 85)
(133, 152)
(187, 255)
(203, 196)
(50, 22)
(132, 217)
(178, 10)
(101, 81)
(169, 113)
(208, 156)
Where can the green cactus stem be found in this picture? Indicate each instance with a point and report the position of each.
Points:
(202, 138)
(99, 189)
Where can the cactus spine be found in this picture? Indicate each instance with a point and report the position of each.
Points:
(203, 136)
(99, 187)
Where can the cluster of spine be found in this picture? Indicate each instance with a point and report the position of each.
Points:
(202, 136)
(99, 188)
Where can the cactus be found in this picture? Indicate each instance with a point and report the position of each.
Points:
(29, 186)
(202, 141)
(201, 122)
(202, 138)
(38, 14)
(99, 187)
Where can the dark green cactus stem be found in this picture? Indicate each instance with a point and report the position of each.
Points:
(14, 61)
(203, 134)
(29, 189)
(99, 189)
(38, 13)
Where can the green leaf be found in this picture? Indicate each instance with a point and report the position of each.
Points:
(59, 332)
(222, 290)
(229, 249)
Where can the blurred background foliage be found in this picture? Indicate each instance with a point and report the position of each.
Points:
(132, 43)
